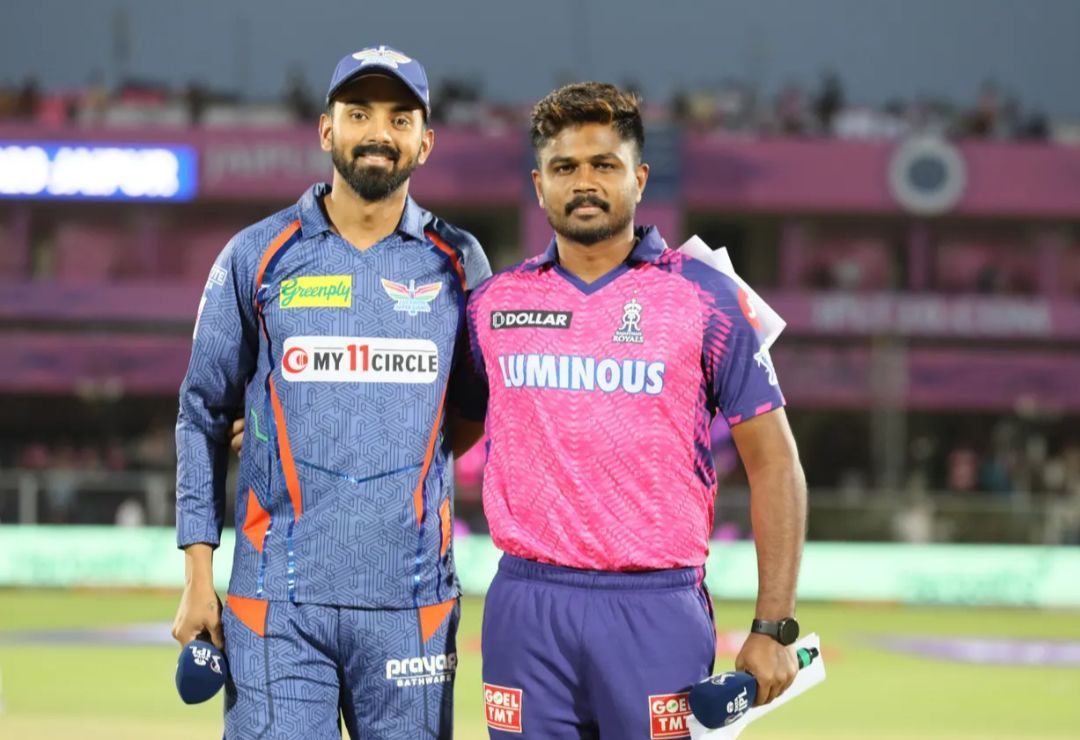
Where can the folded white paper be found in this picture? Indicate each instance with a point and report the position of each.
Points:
(806, 679)
(766, 322)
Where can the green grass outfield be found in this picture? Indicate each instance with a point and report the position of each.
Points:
(88, 692)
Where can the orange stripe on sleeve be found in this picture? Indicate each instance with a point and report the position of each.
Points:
(275, 245)
(452, 254)
(252, 612)
(432, 617)
(292, 480)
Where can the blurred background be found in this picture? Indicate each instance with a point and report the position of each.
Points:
(900, 181)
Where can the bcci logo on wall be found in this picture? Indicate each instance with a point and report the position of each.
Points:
(629, 332)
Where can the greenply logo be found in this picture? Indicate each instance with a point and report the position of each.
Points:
(317, 291)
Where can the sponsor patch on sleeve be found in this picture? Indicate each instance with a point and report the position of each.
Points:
(218, 275)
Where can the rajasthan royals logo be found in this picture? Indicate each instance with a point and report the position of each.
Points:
(630, 330)
(382, 56)
(410, 298)
(763, 360)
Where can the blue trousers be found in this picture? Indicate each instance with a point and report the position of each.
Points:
(297, 670)
(573, 654)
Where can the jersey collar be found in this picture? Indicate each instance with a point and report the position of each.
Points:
(650, 245)
(313, 219)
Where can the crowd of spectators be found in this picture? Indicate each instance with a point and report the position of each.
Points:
(1023, 476)
(66, 467)
(824, 110)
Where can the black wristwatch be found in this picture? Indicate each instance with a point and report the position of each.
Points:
(784, 631)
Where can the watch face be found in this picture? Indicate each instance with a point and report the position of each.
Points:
(788, 631)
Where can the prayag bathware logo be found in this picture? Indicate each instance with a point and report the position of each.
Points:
(316, 291)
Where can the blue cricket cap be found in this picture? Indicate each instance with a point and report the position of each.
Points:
(200, 671)
(386, 61)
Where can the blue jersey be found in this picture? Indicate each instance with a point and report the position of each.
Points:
(340, 360)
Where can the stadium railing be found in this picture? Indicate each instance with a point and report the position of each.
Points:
(864, 515)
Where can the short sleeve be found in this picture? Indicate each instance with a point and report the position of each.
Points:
(742, 381)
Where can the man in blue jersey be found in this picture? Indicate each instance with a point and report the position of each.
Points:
(331, 327)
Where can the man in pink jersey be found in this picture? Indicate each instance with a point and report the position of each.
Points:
(604, 361)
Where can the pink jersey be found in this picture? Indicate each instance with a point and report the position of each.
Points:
(600, 400)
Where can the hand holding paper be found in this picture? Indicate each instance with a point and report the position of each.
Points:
(806, 679)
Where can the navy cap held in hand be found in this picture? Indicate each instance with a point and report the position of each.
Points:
(200, 671)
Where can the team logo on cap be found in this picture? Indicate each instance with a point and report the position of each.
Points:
(411, 298)
(205, 656)
(382, 56)
(629, 331)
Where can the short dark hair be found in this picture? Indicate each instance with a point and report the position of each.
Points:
(587, 102)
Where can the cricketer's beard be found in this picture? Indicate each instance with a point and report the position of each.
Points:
(589, 234)
(372, 183)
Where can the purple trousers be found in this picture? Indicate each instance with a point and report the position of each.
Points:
(577, 654)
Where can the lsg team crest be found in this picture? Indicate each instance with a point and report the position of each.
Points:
(381, 55)
(411, 298)
(629, 331)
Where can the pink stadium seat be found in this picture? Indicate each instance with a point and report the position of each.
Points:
(12, 260)
(86, 253)
(189, 253)
(1070, 272)
(842, 262)
(52, 109)
(972, 265)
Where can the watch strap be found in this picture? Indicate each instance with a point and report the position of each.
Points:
(766, 627)
(785, 631)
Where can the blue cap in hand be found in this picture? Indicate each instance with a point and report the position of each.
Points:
(200, 672)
